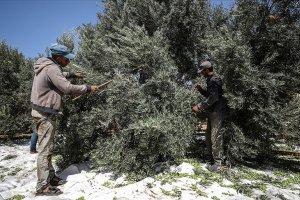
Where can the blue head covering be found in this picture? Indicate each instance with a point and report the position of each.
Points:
(58, 49)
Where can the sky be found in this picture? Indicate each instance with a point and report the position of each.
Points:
(33, 25)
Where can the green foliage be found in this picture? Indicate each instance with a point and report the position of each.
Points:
(251, 95)
(215, 198)
(135, 123)
(8, 157)
(291, 123)
(185, 26)
(67, 39)
(250, 53)
(133, 126)
(15, 85)
(17, 197)
(14, 171)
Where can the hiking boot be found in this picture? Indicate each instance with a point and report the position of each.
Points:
(33, 151)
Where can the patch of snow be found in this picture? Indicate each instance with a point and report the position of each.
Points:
(82, 182)
(245, 181)
(273, 192)
(185, 195)
(216, 190)
(257, 192)
(184, 183)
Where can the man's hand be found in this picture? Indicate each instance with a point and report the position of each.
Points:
(197, 86)
(94, 88)
(79, 75)
(196, 108)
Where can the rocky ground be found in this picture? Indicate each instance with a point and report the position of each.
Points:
(187, 180)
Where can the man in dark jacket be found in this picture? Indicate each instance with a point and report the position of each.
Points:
(49, 85)
(214, 106)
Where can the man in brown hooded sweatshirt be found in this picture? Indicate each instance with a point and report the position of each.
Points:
(49, 85)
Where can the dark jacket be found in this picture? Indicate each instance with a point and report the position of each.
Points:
(214, 101)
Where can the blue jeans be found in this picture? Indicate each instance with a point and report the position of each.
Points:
(33, 141)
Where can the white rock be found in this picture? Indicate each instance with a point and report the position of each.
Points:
(173, 169)
(227, 182)
(121, 180)
(245, 181)
(257, 192)
(184, 168)
(74, 169)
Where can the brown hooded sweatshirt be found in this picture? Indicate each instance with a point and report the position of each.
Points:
(49, 84)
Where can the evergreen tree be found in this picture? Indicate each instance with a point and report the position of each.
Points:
(251, 51)
(272, 30)
(250, 93)
(133, 124)
(144, 117)
(15, 85)
(185, 26)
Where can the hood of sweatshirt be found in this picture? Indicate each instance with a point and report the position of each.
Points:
(41, 63)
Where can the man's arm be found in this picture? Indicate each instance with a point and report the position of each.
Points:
(61, 83)
(203, 92)
(198, 87)
(72, 75)
(213, 95)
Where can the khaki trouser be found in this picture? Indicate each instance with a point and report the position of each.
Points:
(45, 128)
(214, 137)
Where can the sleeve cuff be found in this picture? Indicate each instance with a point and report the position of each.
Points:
(203, 105)
(88, 89)
(72, 75)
